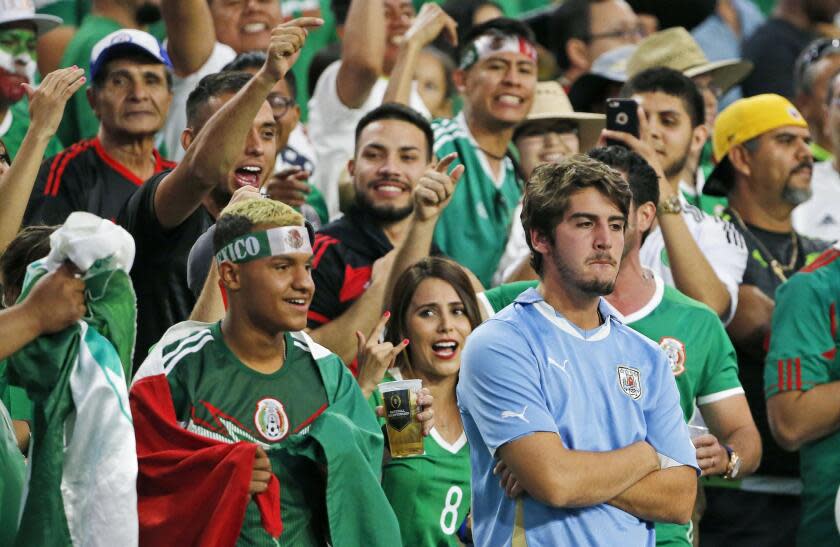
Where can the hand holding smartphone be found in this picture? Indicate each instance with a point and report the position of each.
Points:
(622, 115)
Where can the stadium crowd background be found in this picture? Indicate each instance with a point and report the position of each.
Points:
(401, 135)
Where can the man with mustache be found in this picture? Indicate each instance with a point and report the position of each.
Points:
(764, 167)
(352, 256)
(105, 17)
(579, 408)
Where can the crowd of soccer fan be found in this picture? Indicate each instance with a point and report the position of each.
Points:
(602, 233)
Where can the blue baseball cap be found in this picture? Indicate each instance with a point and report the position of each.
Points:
(124, 43)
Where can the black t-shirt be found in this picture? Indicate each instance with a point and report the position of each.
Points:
(83, 178)
(159, 273)
(773, 49)
(343, 257)
(774, 461)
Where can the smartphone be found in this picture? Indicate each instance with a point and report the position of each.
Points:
(622, 115)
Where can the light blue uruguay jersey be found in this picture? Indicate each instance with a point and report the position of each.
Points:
(528, 369)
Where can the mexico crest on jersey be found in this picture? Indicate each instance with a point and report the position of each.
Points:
(271, 420)
(630, 380)
(675, 350)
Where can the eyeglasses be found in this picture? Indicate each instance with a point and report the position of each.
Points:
(711, 87)
(280, 104)
(624, 33)
(542, 128)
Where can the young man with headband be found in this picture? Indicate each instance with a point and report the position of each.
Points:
(255, 391)
(496, 78)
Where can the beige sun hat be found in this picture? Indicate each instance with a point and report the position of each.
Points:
(551, 103)
(23, 11)
(676, 48)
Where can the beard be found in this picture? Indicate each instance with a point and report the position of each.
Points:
(676, 168)
(591, 287)
(796, 196)
(147, 14)
(383, 213)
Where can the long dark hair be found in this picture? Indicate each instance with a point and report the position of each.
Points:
(406, 285)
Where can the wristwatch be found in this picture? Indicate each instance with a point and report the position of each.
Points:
(670, 205)
(734, 466)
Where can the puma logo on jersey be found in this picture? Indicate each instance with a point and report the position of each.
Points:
(511, 414)
(562, 367)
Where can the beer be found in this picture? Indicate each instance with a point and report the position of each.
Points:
(405, 433)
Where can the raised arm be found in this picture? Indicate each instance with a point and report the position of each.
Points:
(362, 51)
(46, 106)
(212, 154)
(693, 274)
(362, 315)
(433, 193)
(426, 26)
(190, 34)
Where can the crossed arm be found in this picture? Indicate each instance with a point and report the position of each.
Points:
(628, 478)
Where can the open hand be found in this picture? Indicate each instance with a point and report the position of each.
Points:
(46, 102)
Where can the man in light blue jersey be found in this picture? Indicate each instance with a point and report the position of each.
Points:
(580, 410)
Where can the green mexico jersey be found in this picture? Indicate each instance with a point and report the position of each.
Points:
(430, 494)
(699, 351)
(474, 227)
(219, 397)
(802, 355)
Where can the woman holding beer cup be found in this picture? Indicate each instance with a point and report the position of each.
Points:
(434, 309)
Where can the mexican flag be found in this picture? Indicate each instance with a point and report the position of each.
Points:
(81, 480)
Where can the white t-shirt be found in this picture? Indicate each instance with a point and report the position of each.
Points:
(181, 89)
(332, 127)
(819, 217)
(719, 241)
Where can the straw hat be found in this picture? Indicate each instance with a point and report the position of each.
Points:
(551, 103)
(675, 48)
(23, 11)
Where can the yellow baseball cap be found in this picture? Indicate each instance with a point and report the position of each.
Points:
(741, 121)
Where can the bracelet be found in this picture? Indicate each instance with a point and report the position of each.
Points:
(670, 206)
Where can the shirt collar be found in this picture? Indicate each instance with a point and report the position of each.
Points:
(533, 297)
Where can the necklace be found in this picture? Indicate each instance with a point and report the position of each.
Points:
(775, 265)
(491, 155)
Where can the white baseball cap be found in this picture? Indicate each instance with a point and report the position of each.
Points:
(124, 42)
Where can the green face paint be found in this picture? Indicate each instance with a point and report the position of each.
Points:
(17, 52)
(18, 42)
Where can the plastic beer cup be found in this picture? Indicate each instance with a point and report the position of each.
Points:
(405, 433)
